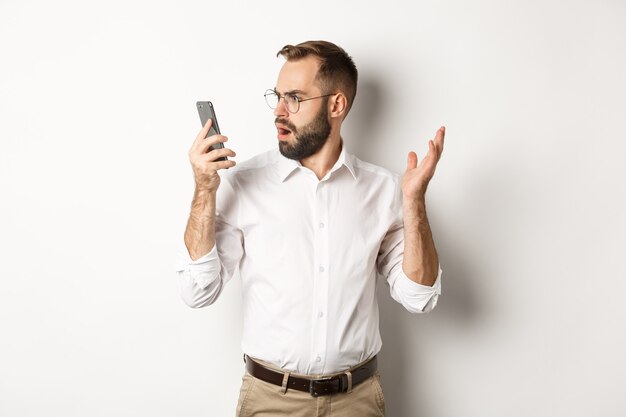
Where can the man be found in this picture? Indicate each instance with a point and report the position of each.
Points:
(310, 227)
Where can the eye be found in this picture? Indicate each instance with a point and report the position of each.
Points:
(292, 97)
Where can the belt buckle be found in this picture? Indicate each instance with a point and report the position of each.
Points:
(314, 384)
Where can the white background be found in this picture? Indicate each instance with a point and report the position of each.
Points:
(527, 207)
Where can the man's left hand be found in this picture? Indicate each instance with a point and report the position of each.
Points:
(416, 177)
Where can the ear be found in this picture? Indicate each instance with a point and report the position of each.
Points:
(337, 105)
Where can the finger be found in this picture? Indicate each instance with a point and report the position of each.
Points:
(432, 149)
(224, 164)
(215, 154)
(439, 138)
(210, 162)
(411, 161)
(202, 134)
(430, 160)
(203, 147)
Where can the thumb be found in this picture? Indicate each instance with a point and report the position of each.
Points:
(411, 161)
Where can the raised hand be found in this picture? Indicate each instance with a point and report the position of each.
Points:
(417, 176)
(205, 164)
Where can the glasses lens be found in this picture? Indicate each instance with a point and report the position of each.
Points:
(271, 98)
(292, 103)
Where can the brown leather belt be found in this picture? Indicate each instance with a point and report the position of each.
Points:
(316, 387)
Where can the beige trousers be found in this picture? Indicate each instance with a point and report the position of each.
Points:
(261, 399)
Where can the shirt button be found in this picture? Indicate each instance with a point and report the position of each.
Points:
(318, 359)
(321, 225)
(321, 314)
(321, 269)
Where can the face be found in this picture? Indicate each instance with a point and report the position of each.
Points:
(304, 133)
(308, 139)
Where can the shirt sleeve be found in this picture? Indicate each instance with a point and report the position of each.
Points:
(201, 281)
(416, 298)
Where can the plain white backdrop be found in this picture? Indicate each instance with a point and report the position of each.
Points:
(527, 206)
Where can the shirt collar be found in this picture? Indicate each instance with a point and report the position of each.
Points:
(286, 166)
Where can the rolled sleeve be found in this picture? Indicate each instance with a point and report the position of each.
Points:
(416, 298)
(199, 281)
(203, 271)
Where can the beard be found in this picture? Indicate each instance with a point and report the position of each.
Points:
(309, 139)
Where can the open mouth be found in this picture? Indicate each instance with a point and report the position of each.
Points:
(283, 132)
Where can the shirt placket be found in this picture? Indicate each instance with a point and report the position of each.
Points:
(320, 296)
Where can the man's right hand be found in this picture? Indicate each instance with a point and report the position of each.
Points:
(205, 164)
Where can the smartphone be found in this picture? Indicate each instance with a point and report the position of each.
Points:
(206, 112)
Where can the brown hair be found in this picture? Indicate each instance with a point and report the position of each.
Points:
(336, 71)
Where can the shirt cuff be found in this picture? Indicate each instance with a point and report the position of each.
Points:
(203, 270)
(418, 295)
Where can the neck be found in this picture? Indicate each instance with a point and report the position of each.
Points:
(325, 158)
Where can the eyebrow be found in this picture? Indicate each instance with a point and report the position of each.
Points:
(291, 91)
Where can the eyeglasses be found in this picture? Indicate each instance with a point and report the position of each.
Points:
(292, 101)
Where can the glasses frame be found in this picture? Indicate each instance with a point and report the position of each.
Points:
(297, 99)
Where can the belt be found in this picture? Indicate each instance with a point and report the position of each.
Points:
(321, 386)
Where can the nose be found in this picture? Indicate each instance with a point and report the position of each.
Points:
(281, 108)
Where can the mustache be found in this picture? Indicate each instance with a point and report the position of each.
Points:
(289, 125)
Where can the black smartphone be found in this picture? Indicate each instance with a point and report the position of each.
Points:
(206, 112)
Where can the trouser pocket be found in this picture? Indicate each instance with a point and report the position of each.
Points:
(378, 393)
(247, 382)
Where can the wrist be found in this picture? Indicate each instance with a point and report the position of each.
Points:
(414, 212)
(204, 202)
(204, 189)
(414, 202)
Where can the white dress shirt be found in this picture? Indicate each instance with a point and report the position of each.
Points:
(309, 253)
